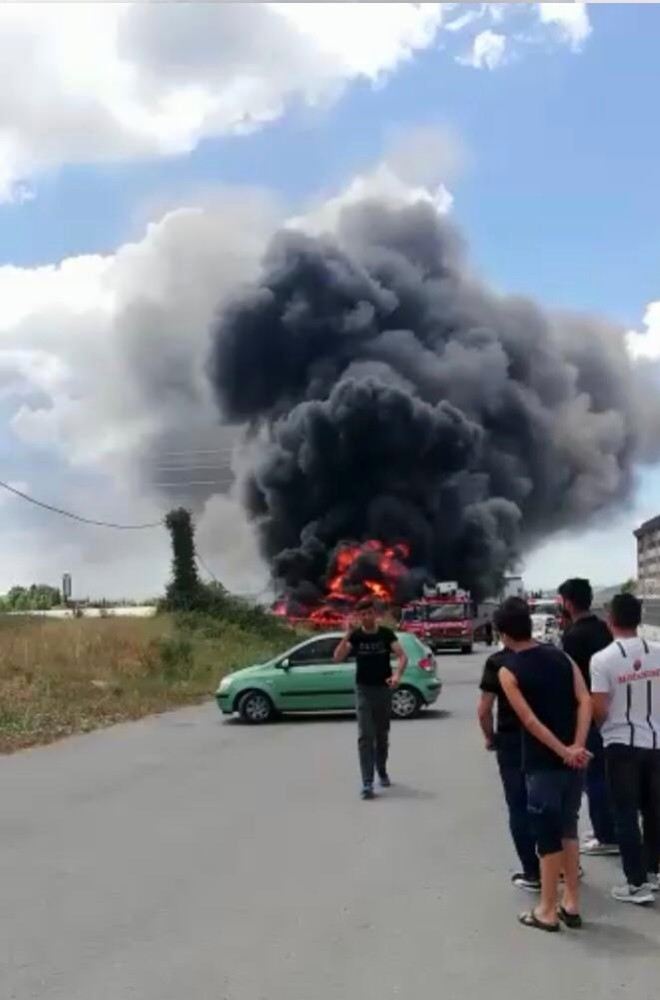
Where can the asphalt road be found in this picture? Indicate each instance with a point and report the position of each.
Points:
(187, 857)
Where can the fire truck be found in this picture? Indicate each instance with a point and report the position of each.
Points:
(444, 618)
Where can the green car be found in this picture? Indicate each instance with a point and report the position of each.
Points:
(306, 679)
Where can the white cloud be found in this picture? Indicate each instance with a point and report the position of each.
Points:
(571, 19)
(128, 81)
(646, 345)
(133, 80)
(415, 168)
(488, 51)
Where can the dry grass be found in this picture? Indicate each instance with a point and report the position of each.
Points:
(62, 677)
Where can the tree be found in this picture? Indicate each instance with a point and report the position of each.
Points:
(629, 587)
(184, 592)
(37, 597)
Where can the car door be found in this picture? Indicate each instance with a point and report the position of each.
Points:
(312, 681)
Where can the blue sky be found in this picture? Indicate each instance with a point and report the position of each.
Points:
(557, 195)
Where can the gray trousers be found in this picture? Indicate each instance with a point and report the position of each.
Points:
(374, 708)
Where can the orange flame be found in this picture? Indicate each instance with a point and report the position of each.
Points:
(342, 592)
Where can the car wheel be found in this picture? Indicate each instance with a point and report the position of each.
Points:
(255, 707)
(406, 703)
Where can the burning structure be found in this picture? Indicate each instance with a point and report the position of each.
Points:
(408, 422)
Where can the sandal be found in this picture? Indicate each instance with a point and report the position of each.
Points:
(572, 920)
(530, 919)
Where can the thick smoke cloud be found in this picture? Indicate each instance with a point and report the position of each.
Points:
(392, 395)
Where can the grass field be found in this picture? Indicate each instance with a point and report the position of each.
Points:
(63, 677)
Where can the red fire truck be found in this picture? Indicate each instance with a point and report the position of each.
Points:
(444, 618)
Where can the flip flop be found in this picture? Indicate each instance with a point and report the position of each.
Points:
(530, 919)
(572, 920)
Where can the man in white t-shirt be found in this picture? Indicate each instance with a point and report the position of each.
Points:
(625, 686)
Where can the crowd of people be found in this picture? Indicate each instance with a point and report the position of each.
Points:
(561, 721)
(585, 717)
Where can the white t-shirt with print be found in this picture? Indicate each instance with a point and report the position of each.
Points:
(629, 671)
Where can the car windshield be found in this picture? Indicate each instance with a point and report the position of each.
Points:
(544, 608)
(448, 613)
(540, 622)
(414, 614)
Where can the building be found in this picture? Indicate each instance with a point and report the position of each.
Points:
(648, 558)
(648, 573)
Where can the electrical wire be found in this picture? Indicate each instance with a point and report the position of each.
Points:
(78, 517)
(206, 568)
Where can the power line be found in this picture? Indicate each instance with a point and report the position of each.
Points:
(77, 517)
(181, 484)
(206, 568)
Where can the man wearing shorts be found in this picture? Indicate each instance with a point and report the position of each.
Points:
(547, 692)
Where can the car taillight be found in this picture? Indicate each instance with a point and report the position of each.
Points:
(426, 663)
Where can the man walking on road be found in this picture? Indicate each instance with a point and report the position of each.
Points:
(586, 635)
(625, 684)
(548, 694)
(373, 645)
(506, 741)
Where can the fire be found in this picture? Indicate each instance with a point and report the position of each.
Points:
(369, 568)
(357, 570)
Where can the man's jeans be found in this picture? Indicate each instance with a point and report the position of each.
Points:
(601, 812)
(374, 710)
(634, 776)
(509, 761)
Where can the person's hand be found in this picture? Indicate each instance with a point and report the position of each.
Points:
(577, 757)
(490, 745)
(393, 681)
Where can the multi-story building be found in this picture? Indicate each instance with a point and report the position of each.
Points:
(648, 573)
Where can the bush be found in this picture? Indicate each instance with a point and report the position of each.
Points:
(176, 658)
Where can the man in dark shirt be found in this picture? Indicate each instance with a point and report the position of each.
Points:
(373, 646)
(586, 635)
(548, 694)
(506, 741)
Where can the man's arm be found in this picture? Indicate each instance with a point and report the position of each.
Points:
(600, 704)
(401, 663)
(529, 720)
(485, 716)
(343, 648)
(601, 693)
(584, 713)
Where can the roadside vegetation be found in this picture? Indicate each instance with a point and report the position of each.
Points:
(59, 677)
(63, 677)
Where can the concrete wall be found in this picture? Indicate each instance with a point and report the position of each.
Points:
(142, 611)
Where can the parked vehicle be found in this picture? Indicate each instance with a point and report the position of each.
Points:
(306, 679)
(444, 621)
(545, 628)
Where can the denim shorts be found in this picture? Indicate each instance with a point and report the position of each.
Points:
(553, 804)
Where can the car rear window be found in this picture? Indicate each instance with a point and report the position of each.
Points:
(412, 645)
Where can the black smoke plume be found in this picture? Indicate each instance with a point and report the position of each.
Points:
(391, 395)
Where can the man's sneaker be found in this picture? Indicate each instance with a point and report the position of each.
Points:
(595, 849)
(640, 895)
(367, 792)
(384, 780)
(653, 881)
(530, 883)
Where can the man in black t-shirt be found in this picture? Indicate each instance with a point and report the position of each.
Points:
(373, 646)
(586, 635)
(506, 741)
(547, 692)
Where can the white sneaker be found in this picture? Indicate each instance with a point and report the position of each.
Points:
(640, 895)
(653, 881)
(595, 849)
